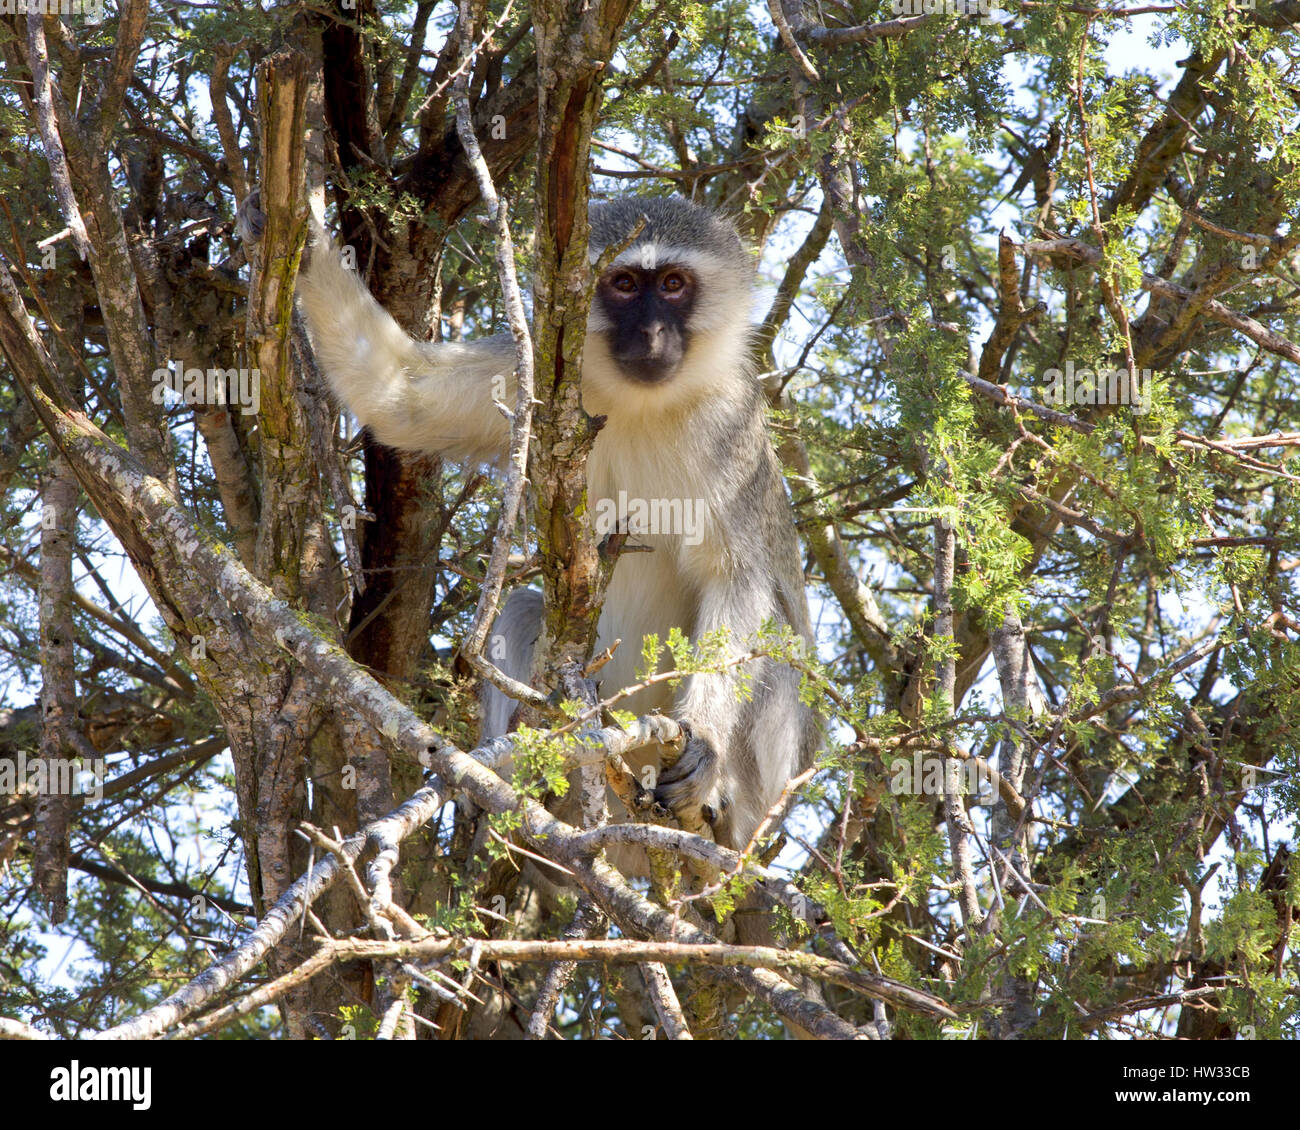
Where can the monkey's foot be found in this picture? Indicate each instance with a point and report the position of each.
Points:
(688, 788)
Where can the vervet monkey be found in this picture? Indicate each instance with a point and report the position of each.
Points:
(683, 457)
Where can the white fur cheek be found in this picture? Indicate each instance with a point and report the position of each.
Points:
(600, 379)
(725, 302)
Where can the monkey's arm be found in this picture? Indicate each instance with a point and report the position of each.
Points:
(420, 396)
(746, 742)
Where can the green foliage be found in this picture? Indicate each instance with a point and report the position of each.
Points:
(538, 764)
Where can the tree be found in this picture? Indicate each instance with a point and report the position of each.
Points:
(1030, 349)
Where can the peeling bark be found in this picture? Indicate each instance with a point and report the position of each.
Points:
(59, 735)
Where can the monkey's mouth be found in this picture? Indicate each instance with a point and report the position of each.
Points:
(648, 370)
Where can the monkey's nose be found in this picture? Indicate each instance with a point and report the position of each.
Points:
(654, 336)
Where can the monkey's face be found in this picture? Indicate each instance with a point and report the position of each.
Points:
(669, 326)
(647, 316)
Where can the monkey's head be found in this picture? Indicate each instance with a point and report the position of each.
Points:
(672, 310)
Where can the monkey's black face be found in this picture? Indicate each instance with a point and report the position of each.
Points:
(649, 312)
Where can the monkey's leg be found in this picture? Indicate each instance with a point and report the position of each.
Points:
(510, 647)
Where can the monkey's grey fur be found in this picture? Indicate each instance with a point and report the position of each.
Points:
(693, 432)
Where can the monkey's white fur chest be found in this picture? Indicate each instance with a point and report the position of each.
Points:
(659, 500)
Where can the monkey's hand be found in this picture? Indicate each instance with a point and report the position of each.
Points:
(250, 220)
(689, 787)
(250, 226)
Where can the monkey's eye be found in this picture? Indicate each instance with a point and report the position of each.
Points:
(623, 282)
(673, 284)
